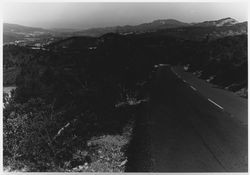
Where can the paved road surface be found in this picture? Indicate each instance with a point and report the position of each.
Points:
(232, 103)
(181, 131)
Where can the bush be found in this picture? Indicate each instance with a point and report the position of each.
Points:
(28, 131)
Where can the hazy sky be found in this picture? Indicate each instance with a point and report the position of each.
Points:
(87, 15)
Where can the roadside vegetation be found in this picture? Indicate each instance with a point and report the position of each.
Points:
(76, 103)
(224, 63)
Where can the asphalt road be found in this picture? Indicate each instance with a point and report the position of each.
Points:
(182, 131)
(235, 105)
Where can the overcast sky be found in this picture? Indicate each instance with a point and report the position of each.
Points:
(88, 15)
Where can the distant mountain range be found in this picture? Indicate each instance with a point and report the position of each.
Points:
(156, 25)
(217, 23)
(7, 27)
(217, 28)
(142, 28)
(201, 32)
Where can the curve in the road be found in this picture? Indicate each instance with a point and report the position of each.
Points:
(182, 131)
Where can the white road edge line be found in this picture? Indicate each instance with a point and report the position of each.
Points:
(193, 88)
(176, 74)
(215, 103)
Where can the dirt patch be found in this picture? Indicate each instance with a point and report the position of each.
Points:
(107, 153)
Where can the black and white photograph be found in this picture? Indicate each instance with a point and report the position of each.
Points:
(124, 87)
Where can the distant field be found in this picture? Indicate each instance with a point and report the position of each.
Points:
(8, 89)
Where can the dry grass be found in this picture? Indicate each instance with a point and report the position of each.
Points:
(107, 152)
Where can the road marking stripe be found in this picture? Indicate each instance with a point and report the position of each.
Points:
(215, 103)
(193, 88)
(176, 74)
(196, 90)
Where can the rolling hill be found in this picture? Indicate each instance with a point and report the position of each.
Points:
(216, 28)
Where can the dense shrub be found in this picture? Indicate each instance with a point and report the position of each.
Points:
(28, 132)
